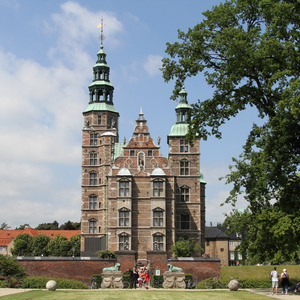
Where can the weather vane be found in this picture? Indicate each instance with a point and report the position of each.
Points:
(101, 37)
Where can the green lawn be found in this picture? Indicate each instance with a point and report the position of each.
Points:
(134, 295)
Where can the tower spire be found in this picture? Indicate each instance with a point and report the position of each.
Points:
(100, 25)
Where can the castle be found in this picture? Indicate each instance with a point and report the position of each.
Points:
(133, 198)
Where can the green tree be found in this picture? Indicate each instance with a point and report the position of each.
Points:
(248, 51)
(186, 248)
(22, 227)
(75, 245)
(40, 245)
(70, 226)
(22, 245)
(48, 226)
(11, 267)
(59, 246)
(4, 226)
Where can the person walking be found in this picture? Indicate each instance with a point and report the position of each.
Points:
(285, 281)
(274, 277)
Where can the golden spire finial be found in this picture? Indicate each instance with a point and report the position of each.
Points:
(100, 25)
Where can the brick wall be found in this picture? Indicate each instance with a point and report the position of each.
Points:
(82, 268)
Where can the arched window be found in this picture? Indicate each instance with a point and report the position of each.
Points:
(123, 188)
(158, 188)
(158, 242)
(184, 193)
(124, 241)
(92, 226)
(93, 178)
(158, 217)
(92, 201)
(124, 217)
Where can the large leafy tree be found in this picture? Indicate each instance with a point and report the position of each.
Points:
(22, 245)
(40, 245)
(248, 51)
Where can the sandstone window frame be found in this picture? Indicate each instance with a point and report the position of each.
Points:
(93, 224)
(93, 138)
(124, 187)
(184, 193)
(93, 199)
(124, 241)
(158, 217)
(93, 158)
(124, 219)
(184, 167)
(158, 241)
(99, 120)
(93, 178)
(158, 187)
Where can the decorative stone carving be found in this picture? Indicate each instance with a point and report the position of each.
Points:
(174, 280)
(112, 280)
(114, 269)
(233, 285)
(51, 285)
(174, 269)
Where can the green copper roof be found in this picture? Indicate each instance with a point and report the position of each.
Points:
(102, 106)
(118, 150)
(180, 129)
(202, 177)
(183, 105)
(99, 82)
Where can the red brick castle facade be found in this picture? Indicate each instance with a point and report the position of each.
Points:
(133, 198)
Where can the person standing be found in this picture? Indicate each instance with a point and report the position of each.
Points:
(285, 281)
(147, 279)
(274, 277)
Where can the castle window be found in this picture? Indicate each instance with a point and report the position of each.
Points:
(92, 226)
(123, 241)
(185, 221)
(158, 217)
(123, 188)
(93, 138)
(158, 188)
(93, 178)
(184, 194)
(92, 202)
(132, 152)
(158, 242)
(150, 153)
(99, 120)
(184, 167)
(184, 146)
(123, 217)
(93, 158)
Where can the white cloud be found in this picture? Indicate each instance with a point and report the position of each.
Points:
(153, 64)
(41, 120)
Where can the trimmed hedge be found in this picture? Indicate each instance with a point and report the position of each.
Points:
(246, 283)
(38, 282)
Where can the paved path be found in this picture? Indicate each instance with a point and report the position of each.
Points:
(265, 292)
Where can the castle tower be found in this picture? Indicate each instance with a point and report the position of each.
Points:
(184, 160)
(100, 134)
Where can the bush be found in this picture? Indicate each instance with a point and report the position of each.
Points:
(106, 254)
(157, 281)
(11, 267)
(126, 278)
(38, 282)
(98, 279)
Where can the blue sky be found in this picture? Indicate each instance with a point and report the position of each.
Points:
(47, 52)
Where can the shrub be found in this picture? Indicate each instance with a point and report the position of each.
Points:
(157, 281)
(126, 278)
(38, 282)
(98, 279)
(106, 254)
(11, 267)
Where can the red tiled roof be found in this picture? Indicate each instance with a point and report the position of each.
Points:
(6, 236)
